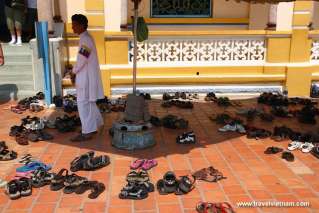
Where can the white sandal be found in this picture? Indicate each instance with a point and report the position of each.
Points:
(294, 145)
(307, 147)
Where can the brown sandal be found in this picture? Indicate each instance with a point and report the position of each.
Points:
(209, 174)
(22, 139)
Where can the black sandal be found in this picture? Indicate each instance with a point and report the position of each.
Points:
(13, 190)
(96, 163)
(288, 156)
(25, 186)
(273, 150)
(168, 184)
(71, 182)
(40, 177)
(185, 185)
(7, 155)
(84, 187)
(133, 191)
(57, 182)
(78, 162)
(96, 190)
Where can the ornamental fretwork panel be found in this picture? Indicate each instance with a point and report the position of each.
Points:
(315, 51)
(203, 51)
(181, 8)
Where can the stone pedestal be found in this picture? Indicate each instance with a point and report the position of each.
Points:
(132, 136)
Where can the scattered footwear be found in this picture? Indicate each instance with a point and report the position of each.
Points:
(186, 138)
(233, 127)
(168, 184)
(288, 156)
(294, 145)
(88, 162)
(257, 133)
(273, 150)
(209, 174)
(223, 207)
(307, 147)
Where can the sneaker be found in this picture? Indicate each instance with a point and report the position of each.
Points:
(228, 128)
(240, 128)
(186, 138)
(306, 147)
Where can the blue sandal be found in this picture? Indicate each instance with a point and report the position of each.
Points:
(33, 166)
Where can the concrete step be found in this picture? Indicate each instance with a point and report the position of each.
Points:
(24, 58)
(16, 78)
(7, 49)
(16, 68)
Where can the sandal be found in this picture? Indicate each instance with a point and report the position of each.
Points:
(77, 163)
(57, 182)
(22, 139)
(7, 155)
(96, 190)
(185, 185)
(13, 189)
(148, 164)
(288, 156)
(168, 184)
(294, 145)
(41, 177)
(96, 163)
(3, 146)
(25, 186)
(209, 174)
(307, 147)
(273, 150)
(133, 191)
(86, 185)
(205, 207)
(71, 182)
(137, 163)
(33, 166)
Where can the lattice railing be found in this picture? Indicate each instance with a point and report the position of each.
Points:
(315, 51)
(200, 51)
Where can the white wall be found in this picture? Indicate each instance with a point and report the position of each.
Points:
(284, 16)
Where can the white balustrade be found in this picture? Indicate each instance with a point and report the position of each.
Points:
(181, 51)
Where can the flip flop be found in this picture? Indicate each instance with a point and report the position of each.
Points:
(33, 166)
(148, 164)
(137, 163)
(273, 150)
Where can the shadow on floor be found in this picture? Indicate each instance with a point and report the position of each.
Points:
(206, 131)
(8, 92)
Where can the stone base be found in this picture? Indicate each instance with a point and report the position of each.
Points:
(135, 136)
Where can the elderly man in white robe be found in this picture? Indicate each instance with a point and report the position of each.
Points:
(88, 81)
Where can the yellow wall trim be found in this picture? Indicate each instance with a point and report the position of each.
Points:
(96, 20)
(301, 19)
(303, 5)
(195, 20)
(94, 5)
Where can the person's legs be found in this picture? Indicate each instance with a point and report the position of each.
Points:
(31, 18)
(18, 20)
(10, 23)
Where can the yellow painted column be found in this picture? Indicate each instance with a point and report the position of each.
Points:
(298, 80)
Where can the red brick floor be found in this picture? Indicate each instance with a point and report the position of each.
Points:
(251, 175)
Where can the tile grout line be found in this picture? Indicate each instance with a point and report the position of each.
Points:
(171, 167)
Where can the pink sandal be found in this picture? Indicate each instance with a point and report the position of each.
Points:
(137, 163)
(23, 175)
(148, 164)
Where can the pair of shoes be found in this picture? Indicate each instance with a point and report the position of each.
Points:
(34, 165)
(173, 122)
(19, 188)
(41, 177)
(209, 174)
(170, 184)
(222, 118)
(281, 133)
(233, 127)
(39, 135)
(304, 147)
(5, 154)
(35, 107)
(88, 162)
(138, 186)
(204, 207)
(211, 96)
(143, 164)
(186, 138)
(257, 133)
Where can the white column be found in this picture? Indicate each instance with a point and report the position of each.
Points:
(45, 12)
(112, 14)
(285, 12)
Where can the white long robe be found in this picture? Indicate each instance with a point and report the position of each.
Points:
(88, 84)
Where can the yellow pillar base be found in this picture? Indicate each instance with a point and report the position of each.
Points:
(298, 81)
(99, 42)
(106, 81)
